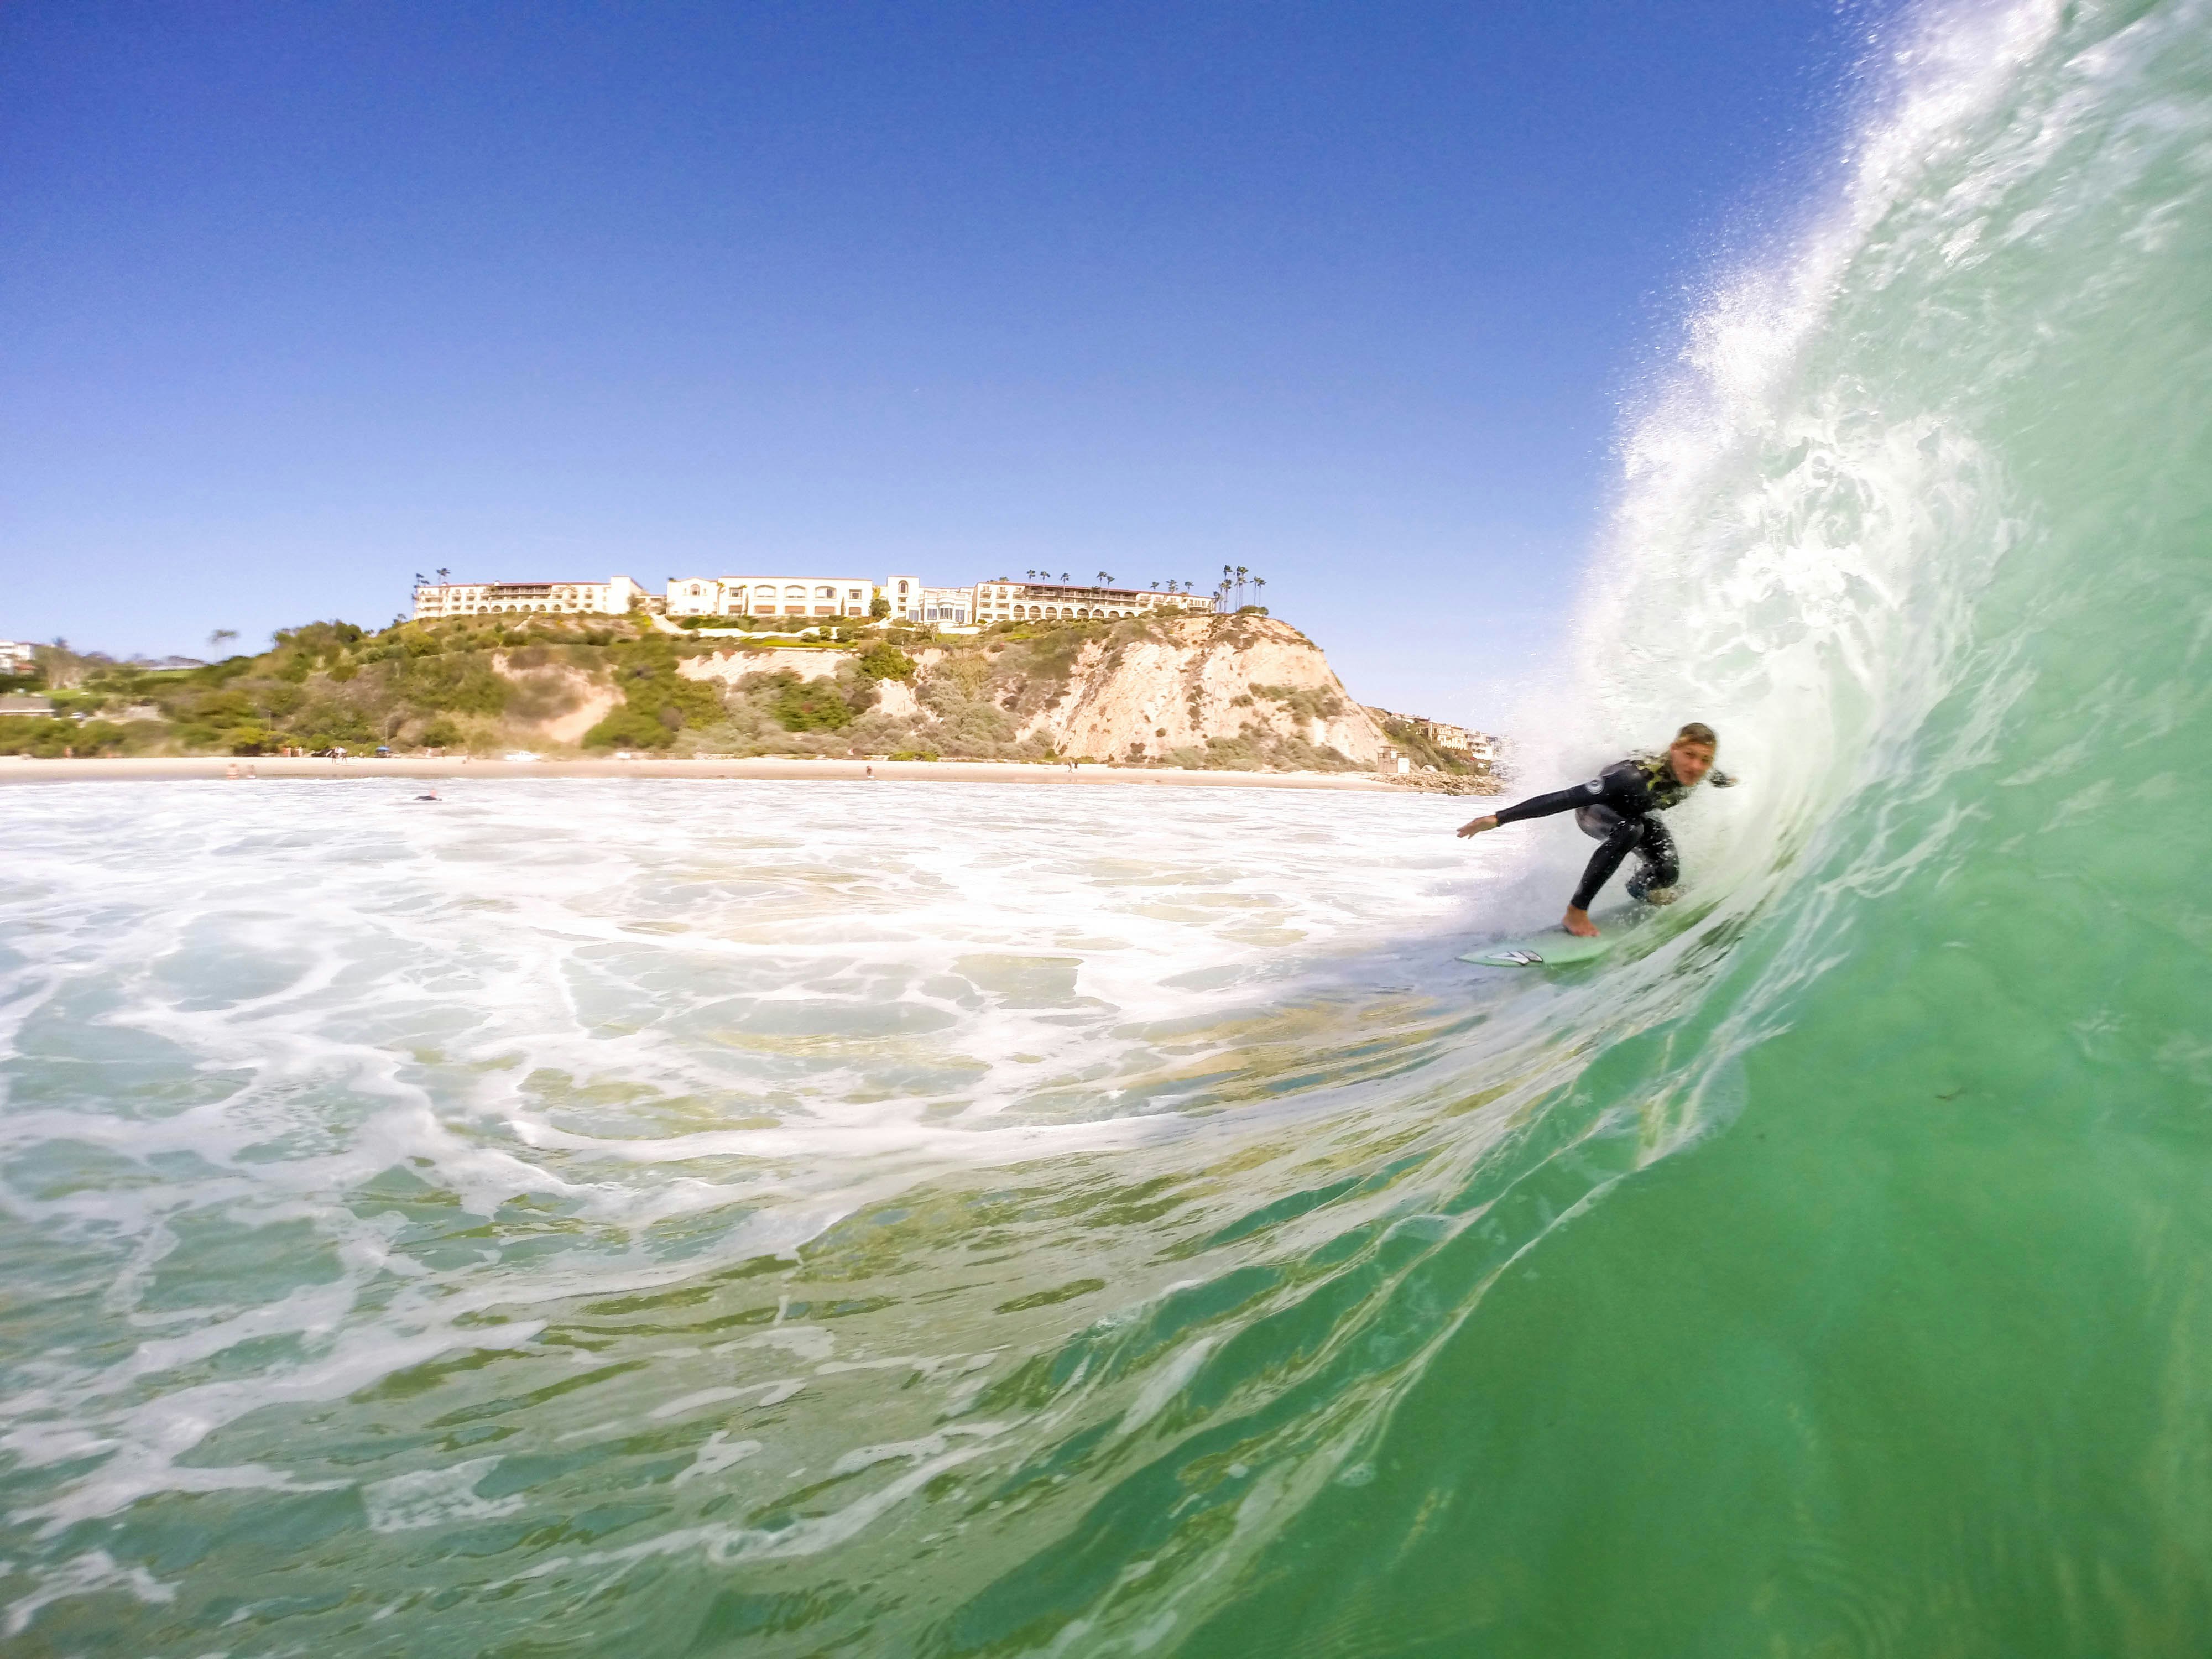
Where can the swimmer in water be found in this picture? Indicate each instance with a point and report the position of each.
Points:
(1617, 808)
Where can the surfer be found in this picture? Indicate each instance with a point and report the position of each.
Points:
(1617, 808)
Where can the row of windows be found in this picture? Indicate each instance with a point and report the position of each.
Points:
(1067, 613)
(795, 610)
(766, 592)
(478, 610)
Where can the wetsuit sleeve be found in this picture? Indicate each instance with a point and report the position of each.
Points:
(1560, 800)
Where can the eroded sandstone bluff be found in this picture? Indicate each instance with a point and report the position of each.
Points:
(1242, 692)
(1222, 691)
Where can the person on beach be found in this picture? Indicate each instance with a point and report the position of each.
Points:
(1617, 808)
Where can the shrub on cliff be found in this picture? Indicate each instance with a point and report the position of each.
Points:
(885, 661)
(812, 705)
(657, 702)
(1308, 703)
(42, 737)
(631, 727)
(976, 729)
(449, 684)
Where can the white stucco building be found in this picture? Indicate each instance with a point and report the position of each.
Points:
(612, 598)
(947, 605)
(16, 658)
(913, 600)
(1001, 599)
(810, 596)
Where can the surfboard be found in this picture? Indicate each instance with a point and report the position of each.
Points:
(1555, 947)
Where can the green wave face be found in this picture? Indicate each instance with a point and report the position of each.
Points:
(800, 1221)
(1908, 1354)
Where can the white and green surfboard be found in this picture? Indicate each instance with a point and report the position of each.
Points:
(1555, 947)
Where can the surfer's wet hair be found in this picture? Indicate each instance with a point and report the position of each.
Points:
(1696, 731)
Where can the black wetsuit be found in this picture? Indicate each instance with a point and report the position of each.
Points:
(1616, 807)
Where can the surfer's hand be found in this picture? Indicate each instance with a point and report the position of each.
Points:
(1723, 780)
(1476, 826)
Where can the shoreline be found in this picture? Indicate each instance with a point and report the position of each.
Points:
(17, 769)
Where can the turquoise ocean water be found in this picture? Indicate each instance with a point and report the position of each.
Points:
(783, 1219)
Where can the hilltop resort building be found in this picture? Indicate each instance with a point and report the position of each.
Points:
(612, 598)
(771, 596)
(814, 598)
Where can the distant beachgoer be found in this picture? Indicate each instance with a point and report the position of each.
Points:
(871, 771)
(1616, 807)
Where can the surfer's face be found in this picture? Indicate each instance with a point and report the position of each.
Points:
(1690, 761)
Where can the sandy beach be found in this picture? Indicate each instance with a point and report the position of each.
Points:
(17, 769)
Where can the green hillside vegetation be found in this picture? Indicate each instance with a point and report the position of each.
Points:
(416, 684)
(484, 686)
(1415, 744)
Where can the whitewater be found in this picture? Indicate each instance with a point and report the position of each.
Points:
(790, 1218)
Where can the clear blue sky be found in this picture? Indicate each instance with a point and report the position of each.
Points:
(303, 299)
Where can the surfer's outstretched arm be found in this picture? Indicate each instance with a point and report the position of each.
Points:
(1545, 806)
(1537, 806)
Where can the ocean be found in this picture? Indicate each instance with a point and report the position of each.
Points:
(787, 1219)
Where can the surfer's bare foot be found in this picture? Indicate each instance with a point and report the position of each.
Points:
(1578, 923)
(1476, 826)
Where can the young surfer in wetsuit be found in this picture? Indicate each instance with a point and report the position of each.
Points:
(1616, 807)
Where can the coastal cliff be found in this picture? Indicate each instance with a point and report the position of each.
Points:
(1239, 692)
(1246, 692)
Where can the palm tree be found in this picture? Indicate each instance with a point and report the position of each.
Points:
(1063, 575)
(221, 637)
(443, 572)
(1105, 579)
(1241, 572)
(1259, 589)
(1032, 575)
